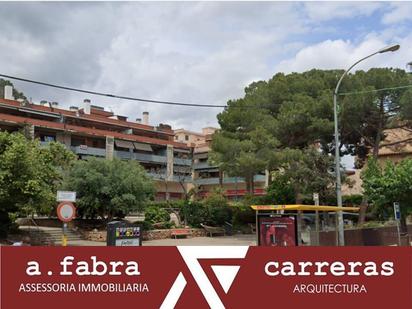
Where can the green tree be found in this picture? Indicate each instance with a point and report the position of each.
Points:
(109, 188)
(29, 175)
(304, 172)
(384, 185)
(295, 110)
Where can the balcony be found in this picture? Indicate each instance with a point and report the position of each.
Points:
(203, 165)
(90, 151)
(215, 180)
(178, 161)
(174, 179)
(142, 157)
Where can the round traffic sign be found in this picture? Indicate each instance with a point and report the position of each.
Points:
(66, 211)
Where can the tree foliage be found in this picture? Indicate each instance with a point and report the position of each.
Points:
(30, 174)
(109, 188)
(390, 183)
(303, 172)
(295, 111)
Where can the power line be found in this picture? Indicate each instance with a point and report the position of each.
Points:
(375, 90)
(172, 102)
(110, 95)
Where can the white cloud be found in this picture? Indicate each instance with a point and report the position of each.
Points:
(323, 11)
(332, 54)
(400, 11)
(189, 51)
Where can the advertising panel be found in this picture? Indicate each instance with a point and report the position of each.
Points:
(277, 231)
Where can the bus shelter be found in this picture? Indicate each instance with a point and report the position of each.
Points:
(281, 225)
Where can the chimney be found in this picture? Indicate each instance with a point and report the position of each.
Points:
(55, 104)
(73, 108)
(139, 120)
(43, 102)
(146, 118)
(8, 92)
(87, 106)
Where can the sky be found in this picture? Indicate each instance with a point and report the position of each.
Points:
(194, 52)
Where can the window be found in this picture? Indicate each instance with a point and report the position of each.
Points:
(186, 137)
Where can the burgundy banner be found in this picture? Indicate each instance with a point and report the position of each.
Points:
(203, 277)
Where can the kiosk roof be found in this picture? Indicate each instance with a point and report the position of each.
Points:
(303, 208)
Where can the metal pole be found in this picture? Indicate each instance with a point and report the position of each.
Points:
(257, 228)
(316, 198)
(341, 236)
(399, 233)
(64, 238)
(299, 219)
(341, 232)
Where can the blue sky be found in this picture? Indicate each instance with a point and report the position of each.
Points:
(196, 52)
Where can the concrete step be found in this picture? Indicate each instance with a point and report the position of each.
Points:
(47, 235)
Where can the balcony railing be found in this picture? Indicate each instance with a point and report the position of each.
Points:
(203, 165)
(90, 151)
(180, 161)
(143, 157)
(215, 180)
(175, 178)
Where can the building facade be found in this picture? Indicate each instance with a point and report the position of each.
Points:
(176, 160)
(90, 131)
(207, 177)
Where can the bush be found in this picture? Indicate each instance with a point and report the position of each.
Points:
(5, 224)
(155, 215)
(243, 214)
(218, 209)
(194, 213)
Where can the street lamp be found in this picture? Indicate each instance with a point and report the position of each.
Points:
(409, 67)
(341, 237)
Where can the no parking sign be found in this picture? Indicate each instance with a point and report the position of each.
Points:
(66, 211)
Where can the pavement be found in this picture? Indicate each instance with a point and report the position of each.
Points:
(236, 240)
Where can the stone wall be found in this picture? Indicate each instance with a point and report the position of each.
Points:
(378, 236)
(100, 235)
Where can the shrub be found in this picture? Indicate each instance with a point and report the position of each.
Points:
(194, 213)
(218, 209)
(155, 215)
(243, 214)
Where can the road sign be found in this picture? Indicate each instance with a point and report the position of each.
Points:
(66, 196)
(66, 211)
(397, 211)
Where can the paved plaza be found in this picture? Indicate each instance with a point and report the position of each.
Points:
(236, 240)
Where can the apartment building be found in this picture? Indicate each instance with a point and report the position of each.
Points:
(89, 130)
(207, 177)
(396, 147)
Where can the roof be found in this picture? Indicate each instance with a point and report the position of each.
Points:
(393, 136)
(303, 208)
(95, 116)
(87, 131)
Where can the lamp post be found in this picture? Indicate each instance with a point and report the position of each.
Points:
(409, 67)
(341, 237)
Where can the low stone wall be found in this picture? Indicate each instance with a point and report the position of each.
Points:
(378, 236)
(96, 235)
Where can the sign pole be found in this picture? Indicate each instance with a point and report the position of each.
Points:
(316, 200)
(64, 240)
(397, 213)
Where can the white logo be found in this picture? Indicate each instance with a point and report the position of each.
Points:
(224, 273)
